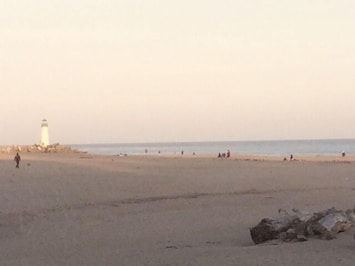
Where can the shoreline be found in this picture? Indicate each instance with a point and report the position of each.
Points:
(270, 155)
(68, 152)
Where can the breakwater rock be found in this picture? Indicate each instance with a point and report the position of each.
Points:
(54, 148)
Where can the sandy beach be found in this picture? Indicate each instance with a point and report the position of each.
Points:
(82, 209)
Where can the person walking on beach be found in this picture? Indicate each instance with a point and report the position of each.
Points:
(17, 159)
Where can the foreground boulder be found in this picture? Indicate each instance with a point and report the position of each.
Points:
(299, 226)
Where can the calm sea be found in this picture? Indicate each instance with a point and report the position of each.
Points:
(271, 148)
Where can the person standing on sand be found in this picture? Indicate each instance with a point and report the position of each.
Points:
(17, 159)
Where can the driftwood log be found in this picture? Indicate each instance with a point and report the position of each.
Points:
(299, 226)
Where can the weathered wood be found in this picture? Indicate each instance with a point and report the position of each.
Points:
(269, 229)
(335, 222)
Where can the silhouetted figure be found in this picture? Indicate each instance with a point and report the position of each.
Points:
(219, 155)
(228, 153)
(291, 157)
(343, 154)
(17, 159)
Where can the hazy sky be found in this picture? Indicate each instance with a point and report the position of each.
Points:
(166, 70)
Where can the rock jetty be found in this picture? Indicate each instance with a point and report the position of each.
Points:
(54, 148)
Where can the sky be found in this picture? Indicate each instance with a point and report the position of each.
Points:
(124, 71)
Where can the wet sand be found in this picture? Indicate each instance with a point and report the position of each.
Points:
(82, 209)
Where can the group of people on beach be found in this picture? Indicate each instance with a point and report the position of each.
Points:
(224, 155)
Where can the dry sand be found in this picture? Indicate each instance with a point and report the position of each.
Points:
(80, 209)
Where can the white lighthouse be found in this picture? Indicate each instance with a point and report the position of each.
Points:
(44, 133)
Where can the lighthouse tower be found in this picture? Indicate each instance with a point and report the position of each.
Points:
(44, 133)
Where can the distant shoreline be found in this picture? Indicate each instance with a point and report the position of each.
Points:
(254, 148)
(68, 149)
(62, 151)
(246, 157)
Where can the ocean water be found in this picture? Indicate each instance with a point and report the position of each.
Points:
(269, 148)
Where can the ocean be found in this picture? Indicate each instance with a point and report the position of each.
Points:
(268, 148)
